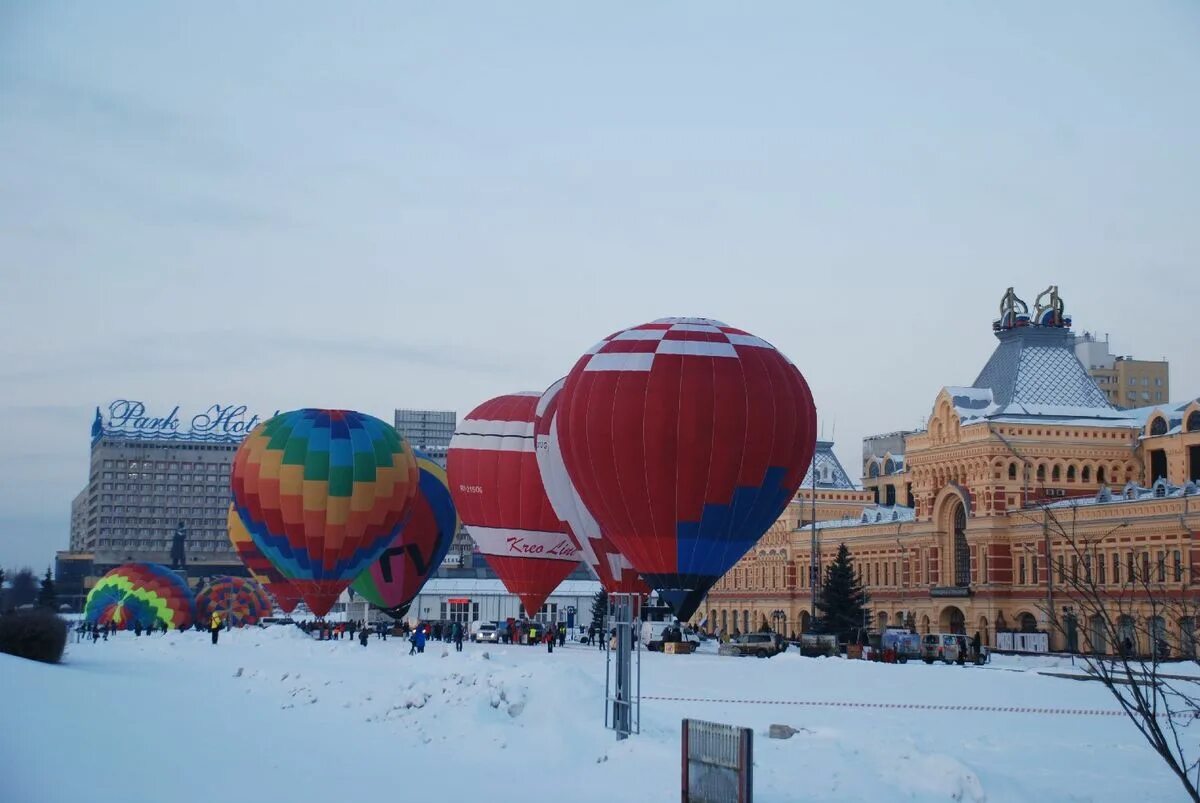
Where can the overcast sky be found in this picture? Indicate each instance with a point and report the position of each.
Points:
(428, 204)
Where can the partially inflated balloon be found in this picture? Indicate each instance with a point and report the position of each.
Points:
(323, 493)
(274, 583)
(148, 594)
(686, 438)
(498, 491)
(615, 573)
(237, 600)
(393, 581)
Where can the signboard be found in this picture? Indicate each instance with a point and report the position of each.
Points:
(717, 763)
(459, 600)
(131, 420)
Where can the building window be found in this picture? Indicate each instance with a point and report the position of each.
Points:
(1062, 569)
(1131, 395)
(1178, 566)
(1055, 474)
(1012, 471)
(1162, 567)
(1086, 474)
(1021, 571)
(1145, 567)
(1087, 568)
(1041, 473)
(1116, 568)
(1101, 567)
(1033, 568)
(1070, 473)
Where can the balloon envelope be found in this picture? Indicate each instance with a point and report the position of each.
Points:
(686, 438)
(615, 573)
(274, 583)
(393, 581)
(498, 492)
(323, 493)
(145, 593)
(237, 600)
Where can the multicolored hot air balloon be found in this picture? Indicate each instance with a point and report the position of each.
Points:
(498, 491)
(393, 581)
(238, 600)
(141, 593)
(323, 493)
(615, 573)
(685, 438)
(274, 583)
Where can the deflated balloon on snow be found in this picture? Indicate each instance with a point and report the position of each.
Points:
(148, 594)
(237, 600)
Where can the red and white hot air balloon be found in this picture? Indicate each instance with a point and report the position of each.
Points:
(686, 438)
(498, 491)
(615, 573)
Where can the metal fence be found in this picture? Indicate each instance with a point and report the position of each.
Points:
(717, 763)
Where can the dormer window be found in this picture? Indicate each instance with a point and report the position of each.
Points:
(1158, 426)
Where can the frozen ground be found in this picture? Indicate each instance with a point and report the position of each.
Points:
(271, 715)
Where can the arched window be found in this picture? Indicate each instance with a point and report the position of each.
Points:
(1100, 474)
(1070, 473)
(1055, 473)
(1012, 471)
(888, 466)
(1193, 421)
(873, 469)
(962, 552)
(1041, 473)
(1087, 473)
(1158, 426)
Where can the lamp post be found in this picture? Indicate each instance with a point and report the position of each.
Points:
(778, 616)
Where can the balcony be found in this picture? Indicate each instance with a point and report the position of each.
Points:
(942, 592)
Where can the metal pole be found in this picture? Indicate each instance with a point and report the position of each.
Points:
(814, 559)
(1049, 569)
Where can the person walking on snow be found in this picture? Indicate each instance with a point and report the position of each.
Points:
(458, 636)
(549, 639)
(214, 626)
(420, 642)
(363, 635)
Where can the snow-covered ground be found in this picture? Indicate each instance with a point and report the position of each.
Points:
(271, 715)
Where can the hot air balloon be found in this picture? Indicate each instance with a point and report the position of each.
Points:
(496, 486)
(393, 581)
(615, 573)
(274, 583)
(239, 601)
(323, 493)
(686, 438)
(141, 593)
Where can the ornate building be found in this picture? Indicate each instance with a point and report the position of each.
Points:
(1032, 439)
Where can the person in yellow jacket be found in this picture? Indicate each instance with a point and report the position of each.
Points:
(214, 626)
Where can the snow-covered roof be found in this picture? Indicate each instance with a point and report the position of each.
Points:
(830, 474)
(873, 514)
(1036, 367)
(1131, 492)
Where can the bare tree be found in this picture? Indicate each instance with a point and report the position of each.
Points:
(1121, 604)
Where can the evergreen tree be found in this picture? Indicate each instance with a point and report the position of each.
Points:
(599, 609)
(24, 588)
(47, 596)
(842, 604)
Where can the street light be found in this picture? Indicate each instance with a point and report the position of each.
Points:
(778, 616)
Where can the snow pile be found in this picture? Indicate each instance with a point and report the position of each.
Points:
(277, 716)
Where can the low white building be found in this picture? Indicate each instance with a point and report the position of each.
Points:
(468, 600)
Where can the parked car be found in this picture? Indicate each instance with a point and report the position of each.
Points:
(950, 648)
(486, 632)
(762, 645)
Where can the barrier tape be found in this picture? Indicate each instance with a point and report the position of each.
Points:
(1082, 712)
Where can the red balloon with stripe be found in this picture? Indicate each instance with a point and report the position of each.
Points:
(686, 438)
(611, 568)
(498, 492)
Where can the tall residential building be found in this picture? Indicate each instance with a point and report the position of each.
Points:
(154, 477)
(428, 430)
(1126, 382)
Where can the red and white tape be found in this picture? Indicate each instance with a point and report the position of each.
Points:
(1014, 709)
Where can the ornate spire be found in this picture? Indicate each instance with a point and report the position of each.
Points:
(1014, 313)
